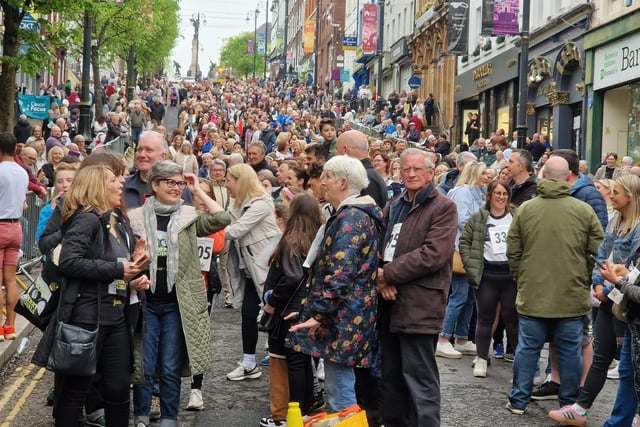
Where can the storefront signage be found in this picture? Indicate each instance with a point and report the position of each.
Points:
(617, 62)
(489, 74)
(399, 50)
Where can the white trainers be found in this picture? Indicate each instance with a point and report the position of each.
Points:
(445, 349)
(320, 370)
(243, 373)
(613, 373)
(269, 422)
(480, 368)
(468, 349)
(195, 400)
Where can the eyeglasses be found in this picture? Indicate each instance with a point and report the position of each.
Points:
(171, 183)
(415, 170)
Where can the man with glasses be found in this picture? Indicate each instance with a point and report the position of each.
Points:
(413, 284)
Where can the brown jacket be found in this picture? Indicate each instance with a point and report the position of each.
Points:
(421, 266)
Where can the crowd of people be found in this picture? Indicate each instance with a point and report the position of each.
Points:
(364, 257)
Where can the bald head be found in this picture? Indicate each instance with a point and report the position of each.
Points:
(354, 144)
(556, 169)
(29, 156)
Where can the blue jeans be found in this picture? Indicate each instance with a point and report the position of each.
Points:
(567, 338)
(135, 134)
(626, 404)
(459, 308)
(164, 349)
(340, 383)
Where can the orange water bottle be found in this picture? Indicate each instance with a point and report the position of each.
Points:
(294, 415)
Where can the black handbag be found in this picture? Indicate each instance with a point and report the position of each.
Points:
(270, 321)
(75, 349)
(39, 301)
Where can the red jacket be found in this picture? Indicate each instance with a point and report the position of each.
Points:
(34, 185)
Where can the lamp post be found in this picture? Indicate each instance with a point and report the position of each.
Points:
(85, 102)
(266, 39)
(379, 99)
(521, 126)
(195, 20)
(255, 37)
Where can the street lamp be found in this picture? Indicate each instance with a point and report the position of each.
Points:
(255, 36)
(521, 125)
(195, 20)
(380, 52)
(266, 39)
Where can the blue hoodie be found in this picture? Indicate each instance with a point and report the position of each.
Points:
(584, 190)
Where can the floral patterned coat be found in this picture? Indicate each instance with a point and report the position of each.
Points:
(342, 295)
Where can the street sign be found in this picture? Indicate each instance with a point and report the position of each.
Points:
(414, 82)
(345, 76)
(29, 23)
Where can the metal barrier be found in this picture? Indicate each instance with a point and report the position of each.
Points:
(365, 129)
(30, 219)
(117, 145)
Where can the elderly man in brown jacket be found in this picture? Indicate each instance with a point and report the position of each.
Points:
(414, 284)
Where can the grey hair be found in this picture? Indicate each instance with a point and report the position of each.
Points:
(156, 135)
(428, 161)
(219, 162)
(351, 169)
(163, 170)
(260, 145)
(462, 157)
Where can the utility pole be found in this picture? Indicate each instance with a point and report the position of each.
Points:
(85, 102)
(379, 98)
(266, 40)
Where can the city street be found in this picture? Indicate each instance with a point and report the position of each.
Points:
(466, 401)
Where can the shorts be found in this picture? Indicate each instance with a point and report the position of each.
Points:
(10, 243)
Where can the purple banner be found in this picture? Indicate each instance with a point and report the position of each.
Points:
(505, 17)
(250, 46)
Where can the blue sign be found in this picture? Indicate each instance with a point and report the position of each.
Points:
(415, 82)
(260, 43)
(350, 41)
(35, 107)
(29, 23)
(345, 76)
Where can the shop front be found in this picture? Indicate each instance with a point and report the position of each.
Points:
(613, 90)
(401, 60)
(487, 89)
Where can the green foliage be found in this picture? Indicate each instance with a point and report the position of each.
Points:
(234, 55)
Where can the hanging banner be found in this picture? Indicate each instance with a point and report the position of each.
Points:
(309, 36)
(250, 46)
(261, 44)
(505, 17)
(369, 28)
(458, 27)
(487, 18)
(34, 107)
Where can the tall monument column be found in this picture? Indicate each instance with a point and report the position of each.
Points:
(194, 58)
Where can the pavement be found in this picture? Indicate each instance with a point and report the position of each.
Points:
(9, 348)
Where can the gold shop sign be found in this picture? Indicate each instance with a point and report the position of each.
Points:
(482, 71)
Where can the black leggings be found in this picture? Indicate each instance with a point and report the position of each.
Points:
(249, 311)
(494, 290)
(114, 363)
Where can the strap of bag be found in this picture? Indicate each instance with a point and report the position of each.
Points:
(305, 276)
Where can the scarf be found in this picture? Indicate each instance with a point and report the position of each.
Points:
(150, 209)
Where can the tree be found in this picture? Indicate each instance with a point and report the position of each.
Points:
(234, 55)
(13, 11)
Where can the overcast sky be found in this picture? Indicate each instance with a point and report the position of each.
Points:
(224, 18)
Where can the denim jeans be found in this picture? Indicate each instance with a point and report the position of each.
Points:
(135, 134)
(164, 350)
(626, 404)
(567, 338)
(459, 308)
(340, 384)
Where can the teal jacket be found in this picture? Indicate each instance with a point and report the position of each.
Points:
(549, 247)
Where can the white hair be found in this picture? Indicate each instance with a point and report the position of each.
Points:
(351, 169)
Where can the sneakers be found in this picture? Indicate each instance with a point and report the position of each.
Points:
(468, 348)
(568, 416)
(498, 351)
(613, 373)
(320, 370)
(514, 411)
(446, 350)
(269, 422)
(635, 422)
(265, 361)
(480, 368)
(548, 390)
(154, 412)
(98, 422)
(242, 373)
(141, 425)
(509, 357)
(9, 332)
(195, 400)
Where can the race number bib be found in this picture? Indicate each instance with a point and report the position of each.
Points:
(390, 249)
(205, 252)
(498, 236)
